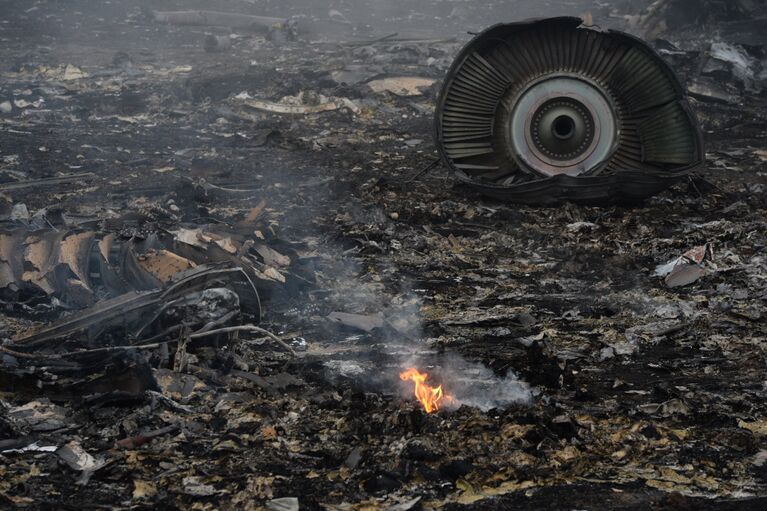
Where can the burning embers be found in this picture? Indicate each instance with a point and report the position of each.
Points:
(429, 397)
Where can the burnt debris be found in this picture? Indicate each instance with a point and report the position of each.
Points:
(232, 275)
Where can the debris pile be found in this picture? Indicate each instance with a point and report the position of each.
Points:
(137, 291)
(216, 260)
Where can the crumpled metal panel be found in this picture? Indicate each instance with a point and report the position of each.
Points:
(80, 267)
(136, 310)
(548, 110)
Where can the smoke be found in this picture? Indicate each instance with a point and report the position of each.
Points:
(476, 385)
(472, 383)
(116, 46)
(378, 358)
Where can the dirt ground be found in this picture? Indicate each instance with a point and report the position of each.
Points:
(629, 394)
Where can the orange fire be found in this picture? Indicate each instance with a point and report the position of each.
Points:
(428, 396)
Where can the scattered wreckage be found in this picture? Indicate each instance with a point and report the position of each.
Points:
(129, 291)
(137, 351)
(543, 111)
(273, 28)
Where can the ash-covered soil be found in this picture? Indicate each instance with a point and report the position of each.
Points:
(640, 396)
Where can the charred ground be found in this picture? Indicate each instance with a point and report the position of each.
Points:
(646, 397)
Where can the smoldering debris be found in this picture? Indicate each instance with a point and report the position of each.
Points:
(474, 384)
(217, 264)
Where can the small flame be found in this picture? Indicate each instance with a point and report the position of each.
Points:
(428, 396)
